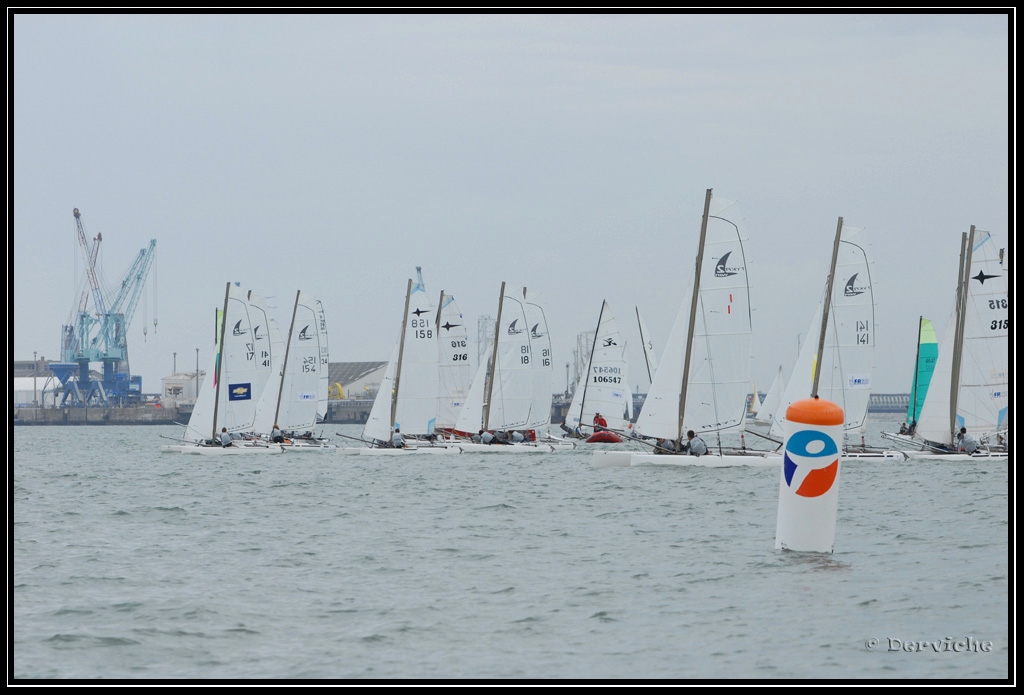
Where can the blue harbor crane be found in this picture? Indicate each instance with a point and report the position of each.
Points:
(100, 335)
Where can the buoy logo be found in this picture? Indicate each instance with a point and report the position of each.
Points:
(810, 463)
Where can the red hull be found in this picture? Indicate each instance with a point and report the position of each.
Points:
(606, 437)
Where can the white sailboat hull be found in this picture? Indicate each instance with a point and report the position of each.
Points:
(522, 448)
(217, 450)
(609, 459)
(409, 451)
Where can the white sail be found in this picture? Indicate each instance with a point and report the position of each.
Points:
(540, 360)
(296, 393)
(200, 422)
(772, 400)
(982, 389)
(847, 358)
(455, 373)
(511, 385)
(471, 419)
(719, 347)
(324, 385)
(254, 363)
(305, 374)
(650, 359)
(378, 423)
(266, 409)
(417, 375)
(604, 387)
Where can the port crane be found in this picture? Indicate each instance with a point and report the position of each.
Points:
(100, 335)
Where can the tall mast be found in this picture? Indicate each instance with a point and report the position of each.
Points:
(825, 308)
(693, 311)
(917, 367)
(966, 251)
(401, 349)
(220, 360)
(494, 359)
(284, 364)
(590, 362)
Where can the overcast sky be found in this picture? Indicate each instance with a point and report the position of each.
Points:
(571, 154)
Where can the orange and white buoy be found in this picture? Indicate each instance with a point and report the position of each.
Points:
(809, 482)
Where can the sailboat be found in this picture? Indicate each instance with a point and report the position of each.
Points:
(604, 387)
(242, 365)
(838, 366)
(969, 387)
(296, 397)
(407, 400)
(702, 379)
(512, 389)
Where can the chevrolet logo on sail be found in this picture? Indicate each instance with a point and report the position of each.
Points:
(239, 392)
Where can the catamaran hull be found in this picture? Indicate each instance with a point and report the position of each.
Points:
(524, 448)
(976, 456)
(199, 450)
(311, 448)
(609, 459)
(388, 451)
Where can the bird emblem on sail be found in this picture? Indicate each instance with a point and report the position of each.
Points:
(722, 269)
(238, 330)
(851, 289)
(534, 332)
(512, 330)
(304, 335)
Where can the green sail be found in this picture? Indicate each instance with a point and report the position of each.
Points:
(927, 354)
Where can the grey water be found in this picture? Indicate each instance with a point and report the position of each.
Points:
(133, 564)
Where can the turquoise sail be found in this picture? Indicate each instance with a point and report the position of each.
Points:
(927, 354)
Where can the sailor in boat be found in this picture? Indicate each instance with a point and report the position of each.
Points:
(225, 437)
(276, 435)
(397, 440)
(966, 442)
(600, 424)
(478, 437)
(517, 437)
(694, 444)
(664, 446)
